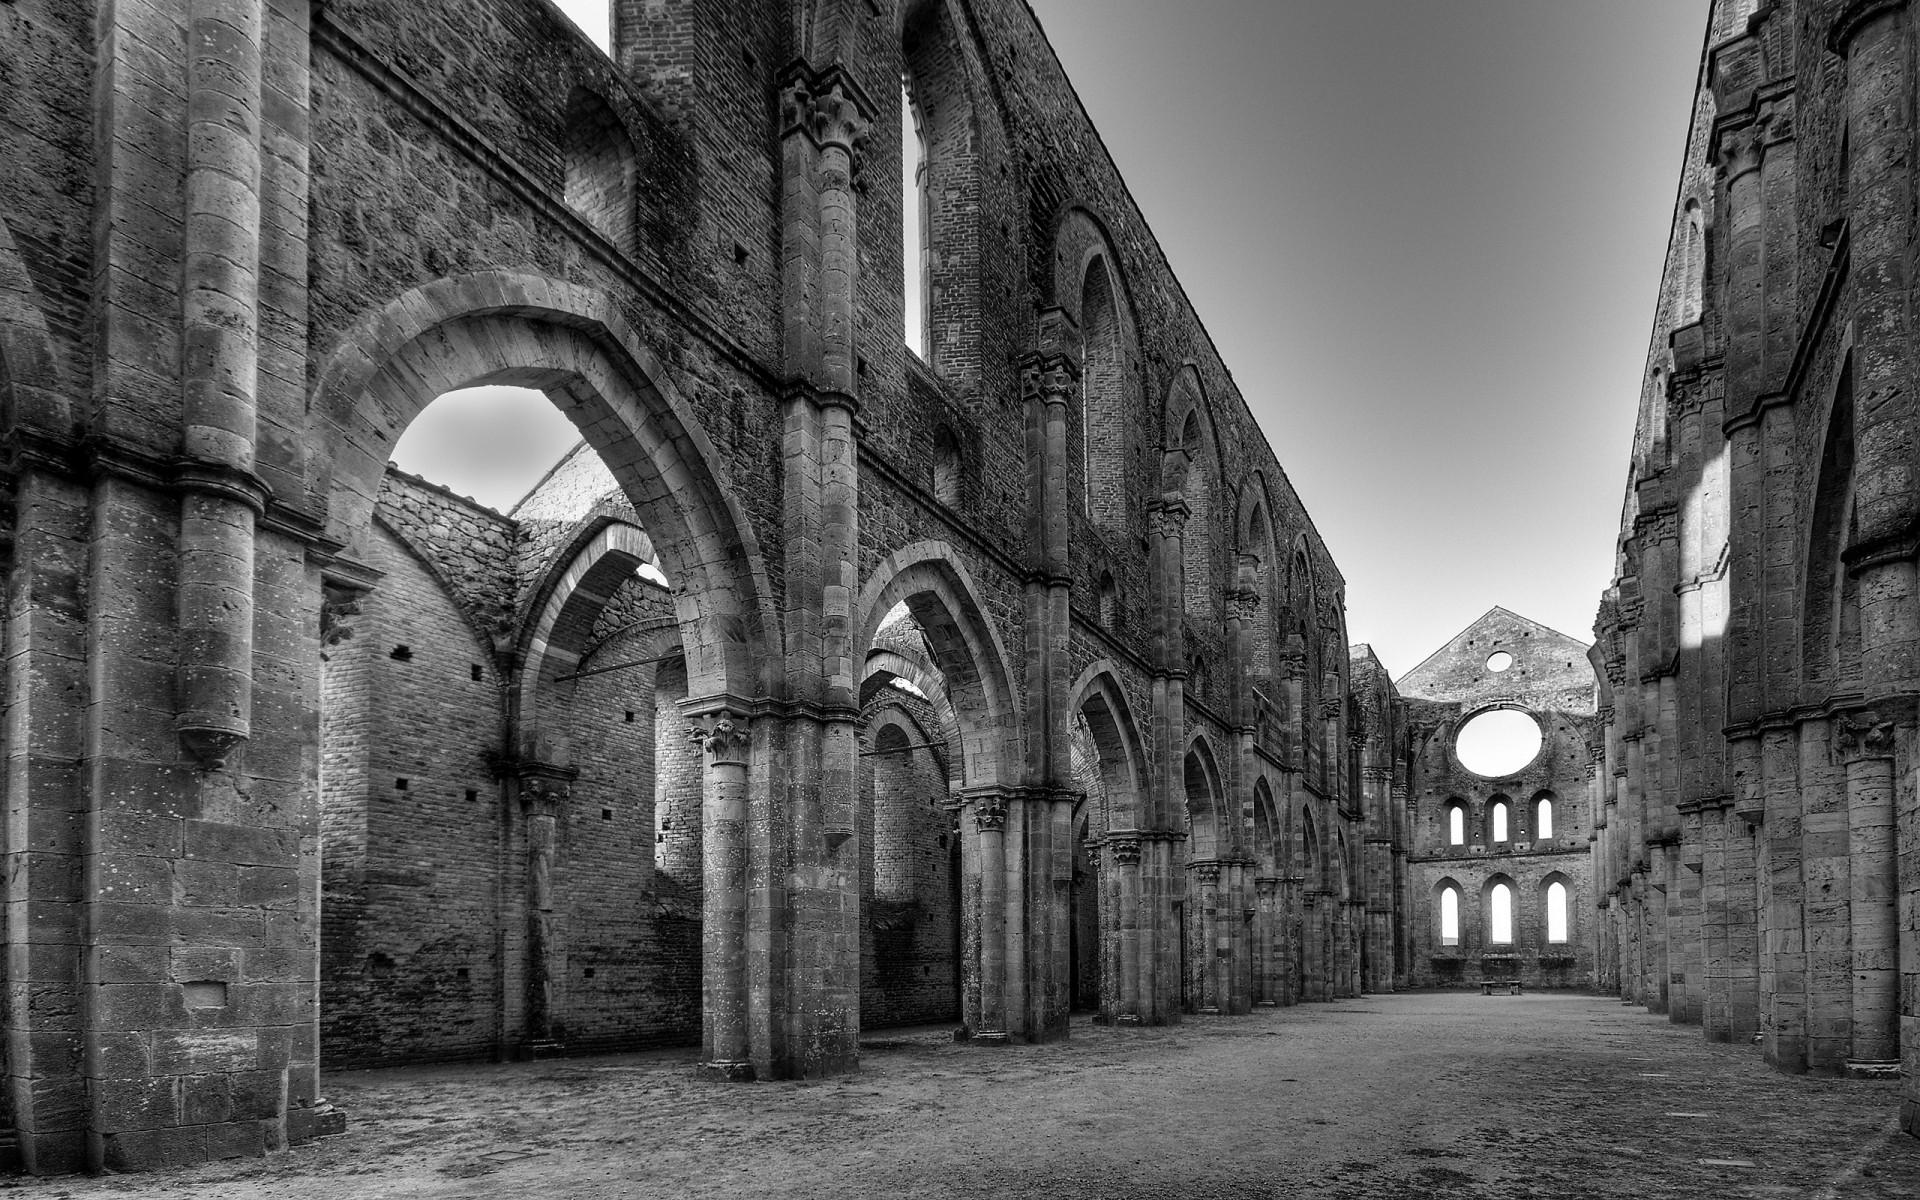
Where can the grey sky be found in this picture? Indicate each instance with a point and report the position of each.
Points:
(1426, 236)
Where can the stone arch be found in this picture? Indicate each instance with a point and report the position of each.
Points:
(1089, 284)
(1455, 826)
(885, 666)
(577, 588)
(571, 342)
(1693, 256)
(1266, 829)
(930, 579)
(1830, 606)
(1208, 836)
(1099, 702)
(1543, 815)
(1196, 477)
(1256, 570)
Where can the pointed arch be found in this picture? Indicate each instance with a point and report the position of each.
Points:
(1090, 286)
(1101, 704)
(570, 342)
(1266, 829)
(1207, 835)
(931, 580)
(1830, 630)
(31, 390)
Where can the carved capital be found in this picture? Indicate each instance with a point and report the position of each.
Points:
(337, 604)
(1170, 519)
(1207, 874)
(1126, 850)
(1739, 151)
(1860, 736)
(1330, 708)
(989, 814)
(723, 735)
(832, 110)
(1048, 378)
(1243, 606)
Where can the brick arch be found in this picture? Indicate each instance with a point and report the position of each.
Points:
(577, 590)
(1090, 286)
(571, 342)
(1099, 700)
(967, 651)
(31, 392)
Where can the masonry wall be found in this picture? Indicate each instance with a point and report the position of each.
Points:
(1550, 679)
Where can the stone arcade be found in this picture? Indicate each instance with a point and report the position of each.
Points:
(828, 685)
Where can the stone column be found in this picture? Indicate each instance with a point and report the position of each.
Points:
(1210, 948)
(990, 831)
(1266, 958)
(544, 792)
(1130, 948)
(1865, 742)
(1785, 1029)
(723, 908)
(1826, 871)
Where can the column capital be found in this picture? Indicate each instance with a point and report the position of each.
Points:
(1169, 517)
(1863, 735)
(990, 813)
(1048, 378)
(1207, 872)
(723, 736)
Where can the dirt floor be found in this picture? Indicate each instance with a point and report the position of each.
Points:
(1424, 1094)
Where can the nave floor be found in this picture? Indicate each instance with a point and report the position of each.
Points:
(1415, 1095)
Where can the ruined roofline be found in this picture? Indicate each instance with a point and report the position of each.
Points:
(1463, 630)
(441, 489)
(1654, 344)
(1153, 239)
(571, 453)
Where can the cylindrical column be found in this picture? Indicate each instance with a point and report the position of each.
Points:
(220, 319)
(723, 735)
(990, 825)
(1866, 741)
(1126, 869)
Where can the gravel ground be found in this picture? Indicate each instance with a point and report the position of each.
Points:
(1413, 1095)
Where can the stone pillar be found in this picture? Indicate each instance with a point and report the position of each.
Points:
(724, 1031)
(1207, 967)
(990, 832)
(1826, 872)
(1866, 742)
(1267, 984)
(1717, 1010)
(544, 792)
(220, 354)
(1130, 949)
(1784, 1029)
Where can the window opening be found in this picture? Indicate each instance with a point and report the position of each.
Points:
(913, 211)
(1500, 907)
(1456, 825)
(1543, 819)
(1449, 916)
(1556, 912)
(1499, 820)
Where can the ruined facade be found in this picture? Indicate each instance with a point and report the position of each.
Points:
(1525, 829)
(1758, 851)
(308, 762)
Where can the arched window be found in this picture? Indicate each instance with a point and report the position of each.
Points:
(1556, 912)
(1692, 263)
(1543, 819)
(913, 216)
(600, 168)
(1102, 418)
(1109, 602)
(1449, 916)
(1456, 824)
(1202, 594)
(1497, 820)
(1500, 914)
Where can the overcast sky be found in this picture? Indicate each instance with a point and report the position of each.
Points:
(1426, 236)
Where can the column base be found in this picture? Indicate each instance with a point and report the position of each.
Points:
(1128, 1019)
(1266, 1004)
(991, 1037)
(1873, 1068)
(322, 1120)
(1208, 1010)
(733, 1070)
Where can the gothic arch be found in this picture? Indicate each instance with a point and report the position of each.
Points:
(571, 342)
(578, 587)
(1099, 701)
(936, 588)
(1208, 833)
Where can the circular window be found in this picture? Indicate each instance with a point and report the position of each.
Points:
(1499, 660)
(1498, 742)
